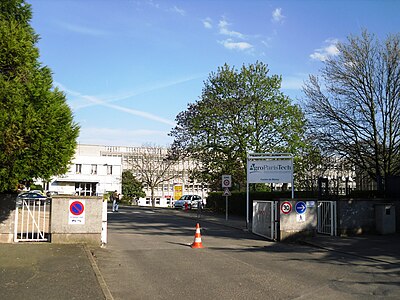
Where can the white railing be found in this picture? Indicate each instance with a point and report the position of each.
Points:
(32, 219)
(327, 217)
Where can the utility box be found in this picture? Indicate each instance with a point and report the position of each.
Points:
(385, 218)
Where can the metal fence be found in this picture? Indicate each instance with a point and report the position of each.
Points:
(326, 215)
(32, 220)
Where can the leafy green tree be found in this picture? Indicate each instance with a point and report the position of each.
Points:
(38, 134)
(239, 111)
(131, 187)
(354, 107)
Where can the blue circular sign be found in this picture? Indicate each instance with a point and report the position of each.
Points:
(76, 208)
(300, 207)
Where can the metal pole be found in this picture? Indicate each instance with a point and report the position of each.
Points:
(247, 205)
(292, 180)
(226, 205)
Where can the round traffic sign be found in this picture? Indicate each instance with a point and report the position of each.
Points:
(301, 207)
(226, 181)
(76, 208)
(286, 207)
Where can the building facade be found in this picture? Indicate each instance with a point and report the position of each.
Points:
(175, 180)
(88, 175)
(97, 169)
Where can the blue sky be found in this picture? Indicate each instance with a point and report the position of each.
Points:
(129, 67)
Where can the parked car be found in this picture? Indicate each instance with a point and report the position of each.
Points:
(191, 200)
(31, 195)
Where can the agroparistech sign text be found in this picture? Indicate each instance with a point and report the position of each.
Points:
(269, 171)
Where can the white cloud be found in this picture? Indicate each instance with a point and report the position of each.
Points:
(178, 10)
(153, 4)
(330, 50)
(230, 44)
(277, 15)
(224, 30)
(207, 23)
(83, 30)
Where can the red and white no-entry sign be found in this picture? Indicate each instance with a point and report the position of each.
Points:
(286, 207)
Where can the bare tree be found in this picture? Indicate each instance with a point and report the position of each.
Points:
(354, 110)
(153, 166)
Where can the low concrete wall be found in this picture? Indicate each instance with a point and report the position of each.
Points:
(7, 217)
(355, 216)
(63, 227)
(294, 225)
(358, 216)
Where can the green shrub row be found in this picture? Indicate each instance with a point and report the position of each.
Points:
(237, 200)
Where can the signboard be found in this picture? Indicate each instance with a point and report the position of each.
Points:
(286, 207)
(226, 181)
(310, 203)
(269, 171)
(227, 192)
(301, 207)
(268, 168)
(300, 218)
(76, 212)
(177, 192)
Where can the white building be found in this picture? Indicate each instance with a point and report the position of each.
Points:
(89, 175)
(97, 169)
(177, 181)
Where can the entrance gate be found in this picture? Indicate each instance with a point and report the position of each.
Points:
(264, 219)
(326, 217)
(32, 220)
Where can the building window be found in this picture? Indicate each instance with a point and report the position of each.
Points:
(78, 168)
(85, 189)
(109, 170)
(94, 170)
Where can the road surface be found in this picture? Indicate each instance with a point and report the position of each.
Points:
(148, 256)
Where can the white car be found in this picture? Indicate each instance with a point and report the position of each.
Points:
(191, 200)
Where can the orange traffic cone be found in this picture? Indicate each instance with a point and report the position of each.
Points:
(197, 238)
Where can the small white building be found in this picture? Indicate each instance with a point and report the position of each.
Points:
(89, 176)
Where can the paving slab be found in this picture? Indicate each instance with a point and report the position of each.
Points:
(47, 271)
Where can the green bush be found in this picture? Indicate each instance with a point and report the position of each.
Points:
(36, 187)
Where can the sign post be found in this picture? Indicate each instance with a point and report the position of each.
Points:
(227, 193)
(268, 168)
(226, 184)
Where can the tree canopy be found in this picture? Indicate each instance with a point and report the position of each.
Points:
(38, 134)
(354, 107)
(152, 167)
(239, 111)
(131, 187)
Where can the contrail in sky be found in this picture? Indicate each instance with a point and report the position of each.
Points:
(98, 101)
(133, 94)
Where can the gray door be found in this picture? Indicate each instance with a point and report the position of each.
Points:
(264, 216)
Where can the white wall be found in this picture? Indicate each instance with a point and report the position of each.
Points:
(102, 181)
